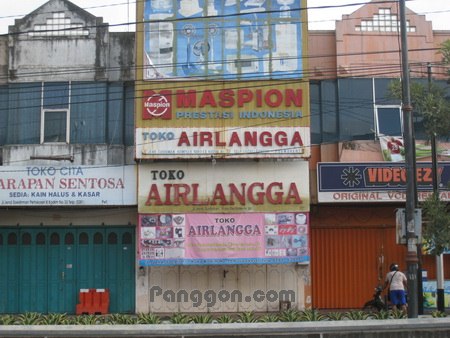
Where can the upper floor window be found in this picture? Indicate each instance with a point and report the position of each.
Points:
(384, 21)
(55, 114)
(388, 120)
(59, 25)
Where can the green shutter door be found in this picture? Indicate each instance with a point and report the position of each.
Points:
(61, 278)
(44, 268)
(121, 269)
(33, 271)
(11, 269)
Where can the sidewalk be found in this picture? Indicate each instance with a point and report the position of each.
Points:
(417, 328)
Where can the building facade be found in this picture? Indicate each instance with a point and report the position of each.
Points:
(67, 175)
(207, 163)
(353, 121)
(222, 136)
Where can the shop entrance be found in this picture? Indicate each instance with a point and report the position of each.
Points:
(43, 268)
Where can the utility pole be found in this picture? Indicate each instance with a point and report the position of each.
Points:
(411, 256)
(439, 258)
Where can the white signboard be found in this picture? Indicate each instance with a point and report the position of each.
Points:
(231, 142)
(223, 187)
(67, 185)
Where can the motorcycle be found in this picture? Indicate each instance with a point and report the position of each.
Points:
(376, 303)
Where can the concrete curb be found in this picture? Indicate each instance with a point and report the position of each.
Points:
(363, 327)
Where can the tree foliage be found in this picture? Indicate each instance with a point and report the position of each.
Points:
(430, 102)
(436, 232)
(445, 51)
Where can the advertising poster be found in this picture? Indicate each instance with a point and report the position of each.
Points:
(67, 185)
(223, 39)
(430, 297)
(377, 182)
(209, 239)
(393, 149)
(223, 187)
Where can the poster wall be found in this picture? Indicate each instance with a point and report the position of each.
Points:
(209, 239)
(223, 39)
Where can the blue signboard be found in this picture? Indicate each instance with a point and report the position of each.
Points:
(377, 182)
(223, 39)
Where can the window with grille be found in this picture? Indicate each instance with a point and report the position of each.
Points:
(384, 21)
(59, 25)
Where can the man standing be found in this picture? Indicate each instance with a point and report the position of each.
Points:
(397, 287)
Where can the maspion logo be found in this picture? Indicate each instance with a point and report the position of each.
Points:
(157, 105)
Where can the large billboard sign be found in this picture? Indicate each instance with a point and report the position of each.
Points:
(217, 119)
(222, 39)
(223, 187)
(209, 239)
(67, 185)
(377, 182)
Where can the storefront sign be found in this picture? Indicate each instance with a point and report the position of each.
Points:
(377, 182)
(194, 143)
(224, 120)
(67, 186)
(248, 103)
(208, 239)
(223, 187)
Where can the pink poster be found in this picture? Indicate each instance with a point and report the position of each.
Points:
(208, 239)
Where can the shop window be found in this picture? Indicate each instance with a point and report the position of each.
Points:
(12, 239)
(69, 239)
(388, 120)
(26, 239)
(98, 238)
(126, 238)
(112, 238)
(83, 238)
(54, 239)
(40, 239)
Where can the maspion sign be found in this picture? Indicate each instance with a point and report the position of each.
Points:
(223, 120)
(208, 103)
(223, 187)
(159, 104)
(377, 182)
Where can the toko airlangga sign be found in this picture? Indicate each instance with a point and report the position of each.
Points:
(222, 187)
(209, 239)
(377, 182)
(67, 185)
(230, 143)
